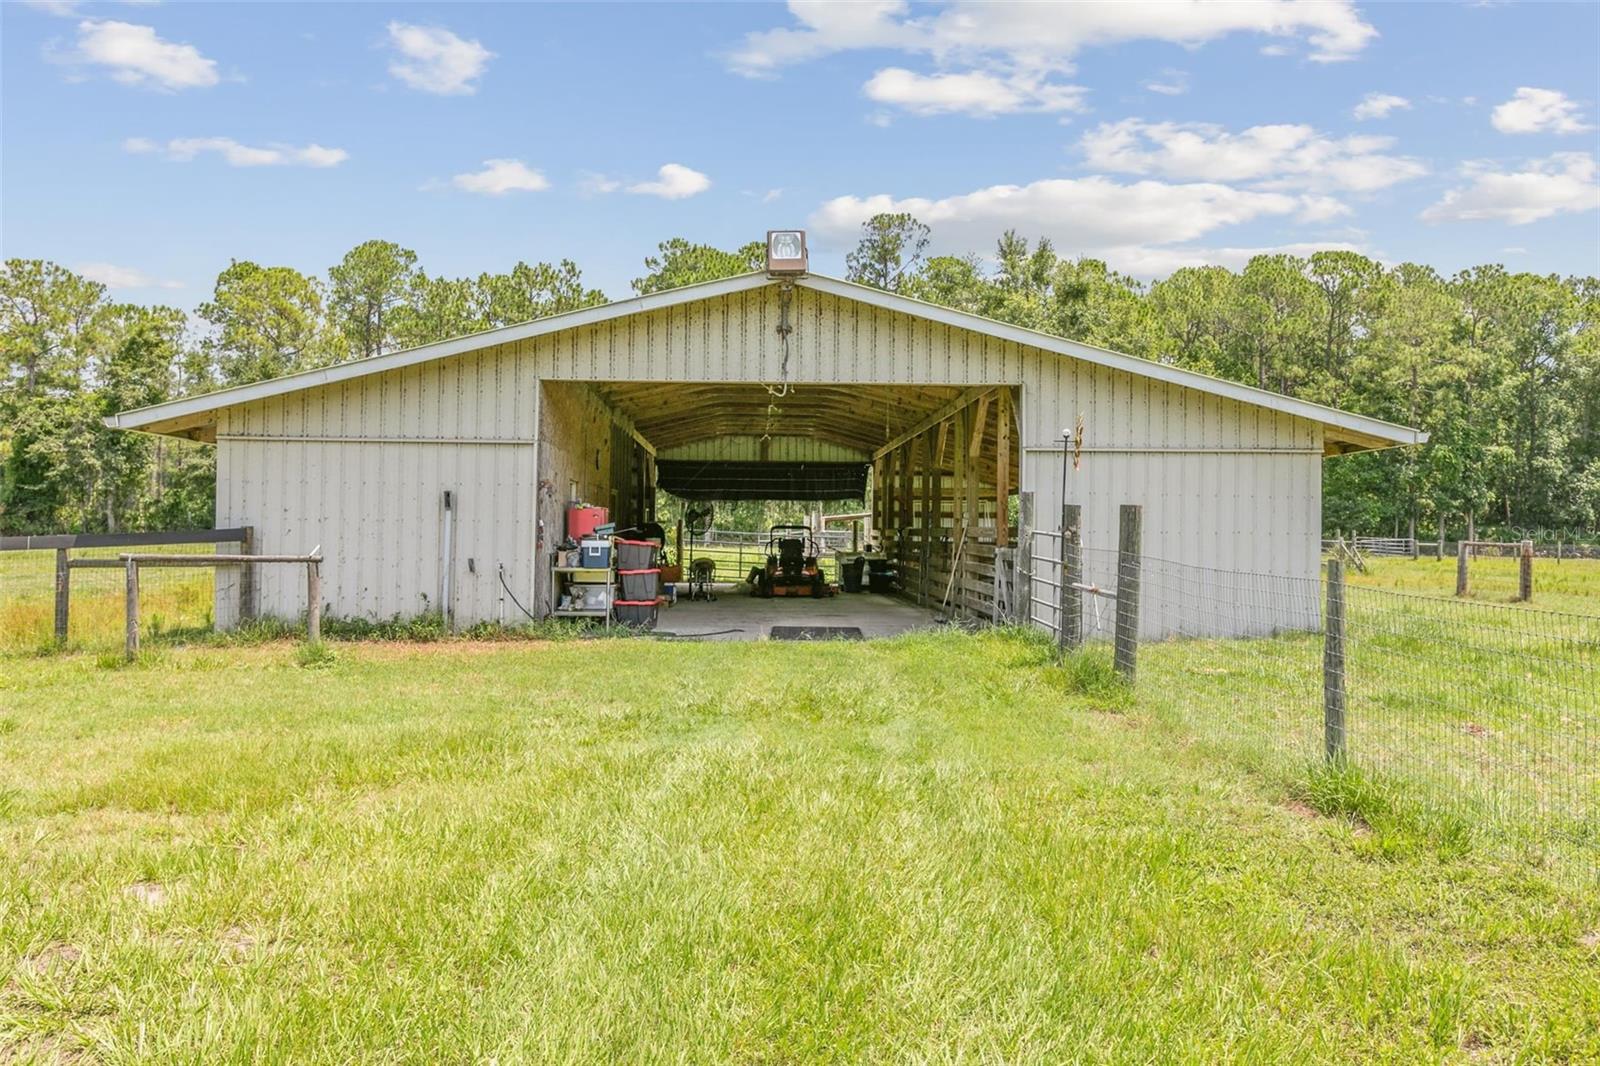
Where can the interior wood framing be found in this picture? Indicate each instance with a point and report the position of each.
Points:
(944, 459)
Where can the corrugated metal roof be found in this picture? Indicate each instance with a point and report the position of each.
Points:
(176, 416)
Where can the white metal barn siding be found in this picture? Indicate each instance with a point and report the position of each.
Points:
(360, 467)
(356, 457)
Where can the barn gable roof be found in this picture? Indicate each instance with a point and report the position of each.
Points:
(1344, 430)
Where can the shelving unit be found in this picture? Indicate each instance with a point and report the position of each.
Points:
(562, 578)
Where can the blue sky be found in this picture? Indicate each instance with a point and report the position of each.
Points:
(147, 144)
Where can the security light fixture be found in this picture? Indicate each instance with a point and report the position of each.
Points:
(786, 251)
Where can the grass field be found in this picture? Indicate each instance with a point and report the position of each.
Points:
(1571, 585)
(936, 848)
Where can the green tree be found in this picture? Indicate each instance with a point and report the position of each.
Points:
(435, 309)
(368, 284)
(889, 252)
(530, 292)
(47, 324)
(678, 262)
(268, 321)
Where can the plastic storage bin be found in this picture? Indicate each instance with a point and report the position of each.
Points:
(594, 553)
(639, 585)
(635, 554)
(640, 614)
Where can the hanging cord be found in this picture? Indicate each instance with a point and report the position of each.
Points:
(785, 298)
(513, 595)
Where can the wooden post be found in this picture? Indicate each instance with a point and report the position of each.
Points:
(1129, 559)
(247, 577)
(1002, 470)
(314, 603)
(1461, 568)
(1024, 583)
(930, 517)
(1069, 622)
(1333, 690)
(131, 605)
(1525, 572)
(63, 593)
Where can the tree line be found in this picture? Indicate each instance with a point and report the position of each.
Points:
(1502, 369)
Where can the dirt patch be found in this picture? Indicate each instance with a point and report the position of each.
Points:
(1590, 940)
(49, 957)
(1304, 810)
(149, 893)
(1473, 729)
(388, 650)
(237, 942)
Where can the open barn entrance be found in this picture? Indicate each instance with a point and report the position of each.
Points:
(919, 481)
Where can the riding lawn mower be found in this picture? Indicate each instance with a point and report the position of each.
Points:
(791, 568)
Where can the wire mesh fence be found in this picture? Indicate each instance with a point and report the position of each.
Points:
(173, 601)
(1485, 712)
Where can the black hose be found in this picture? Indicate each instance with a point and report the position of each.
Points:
(513, 595)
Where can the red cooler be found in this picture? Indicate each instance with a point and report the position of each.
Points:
(582, 521)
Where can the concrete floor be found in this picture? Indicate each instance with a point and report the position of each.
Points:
(750, 618)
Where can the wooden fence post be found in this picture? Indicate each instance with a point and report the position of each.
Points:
(1461, 568)
(314, 602)
(247, 576)
(63, 593)
(1128, 562)
(1525, 572)
(1333, 690)
(1069, 623)
(131, 605)
(1024, 583)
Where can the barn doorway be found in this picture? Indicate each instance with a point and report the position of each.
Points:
(916, 481)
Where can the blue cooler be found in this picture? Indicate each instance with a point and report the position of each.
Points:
(594, 553)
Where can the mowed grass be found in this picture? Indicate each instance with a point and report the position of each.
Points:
(937, 848)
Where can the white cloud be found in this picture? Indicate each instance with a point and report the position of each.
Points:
(120, 277)
(1171, 83)
(1280, 156)
(59, 8)
(500, 176)
(1539, 111)
(674, 181)
(1076, 213)
(971, 93)
(771, 196)
(1379, 105)
(1563, 183)
(593, 184)
(1040, 36)
(135, 55)
(434, 60)
(186, 149)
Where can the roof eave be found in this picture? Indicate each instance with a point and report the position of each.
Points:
(155, 417)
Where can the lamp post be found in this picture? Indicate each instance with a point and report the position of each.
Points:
(1066, 458)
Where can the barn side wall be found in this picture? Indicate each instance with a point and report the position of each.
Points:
(361, 467)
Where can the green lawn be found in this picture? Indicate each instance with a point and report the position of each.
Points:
(1570, 585)
(936, 848)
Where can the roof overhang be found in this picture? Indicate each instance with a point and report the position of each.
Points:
(194, 416)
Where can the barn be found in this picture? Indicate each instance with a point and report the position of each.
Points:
(436, 478)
